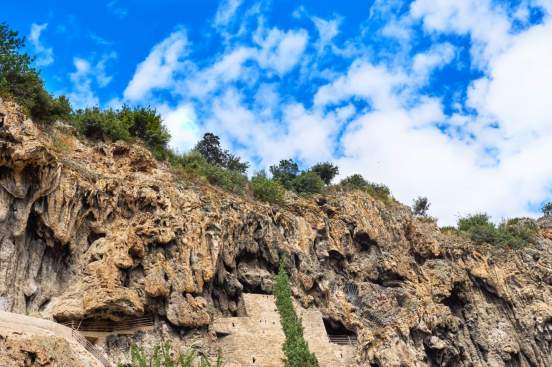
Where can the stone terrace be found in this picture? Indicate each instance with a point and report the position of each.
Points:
(256, 339)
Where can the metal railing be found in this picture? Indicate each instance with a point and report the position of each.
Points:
(110, 326)
(343, 339)
(91, 348)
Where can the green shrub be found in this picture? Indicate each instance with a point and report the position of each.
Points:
(146, 124)
(164, 356)
(296, 349)
(515, 233)
(266, 189)
(209, 147)
(307, 183)
(354, 182)
(379, 191)
(547, 209)
(110, 125)
(327, 171)
(21, 82)
(195, 164)
(479, 228)
(465, 224)
(357, 182)
(421, 206)
(285, 172)
(229, 180)
(103, 125)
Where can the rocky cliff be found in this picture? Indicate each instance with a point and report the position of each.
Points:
(103, 231)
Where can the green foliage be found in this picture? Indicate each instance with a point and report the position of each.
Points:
(307, 183)
(195, 164)
(209, 147)
(327, 171)
(285, 172)
(104, 125)
(479, 228)
(357, 182)
(296, 349)
(465, 224)
(266, 189)
(421, 206)
(547, 209)
(379, 191)
(164, 356)
(142, 123)
(515, 233)
(146, 124)
(354, 182)
(230, 180)
(21, 82)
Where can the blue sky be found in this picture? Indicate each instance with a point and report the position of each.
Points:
(442, 98)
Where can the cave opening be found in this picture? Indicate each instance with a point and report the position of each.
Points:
(364, 241)
(456, 300)
(339, 333)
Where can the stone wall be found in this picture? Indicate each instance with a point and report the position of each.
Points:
(257, 339)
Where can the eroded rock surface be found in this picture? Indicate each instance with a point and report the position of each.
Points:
(105, 232)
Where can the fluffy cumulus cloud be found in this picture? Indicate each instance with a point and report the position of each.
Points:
(160, 68)
(448, 99)
(182, 125)
(82, 94)
(44, 55)
(88, 76)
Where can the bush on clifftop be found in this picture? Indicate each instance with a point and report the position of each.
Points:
(515, 233)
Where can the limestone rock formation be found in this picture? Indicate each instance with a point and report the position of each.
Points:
(103, 231)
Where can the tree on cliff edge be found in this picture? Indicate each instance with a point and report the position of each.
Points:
(21, 82)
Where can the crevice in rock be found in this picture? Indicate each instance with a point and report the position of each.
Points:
(363, 240)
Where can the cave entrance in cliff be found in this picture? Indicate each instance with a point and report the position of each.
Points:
(338, 333)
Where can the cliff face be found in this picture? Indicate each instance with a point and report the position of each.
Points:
(106, 232)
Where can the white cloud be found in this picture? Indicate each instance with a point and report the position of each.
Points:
(376, 84)
(485, 21)
(82, 95)
(489, 155)
(102, 78)
(44, 55)
(438, 56)
(226, 11)
(281, 51)
(182, 125)
(516, 92)
(87, 73)
(158, 70)
(307, 135)
(227, 69)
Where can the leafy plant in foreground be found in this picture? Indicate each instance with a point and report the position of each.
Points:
(163, 355)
